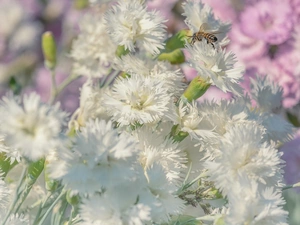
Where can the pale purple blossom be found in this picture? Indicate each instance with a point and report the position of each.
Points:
(271, 21)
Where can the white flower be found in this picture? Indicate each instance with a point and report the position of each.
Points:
(256, 206)
(25, 36)
(137, 99)
(197, 13)
(129, 24)
(267, 94)
(161, 195)
(192, 149)
(160, 70)
(244, 153)
(30, 127)
(277, 128)
(120, 205)
(224, 114)
(164, 151)
(216, 66)
(93, 50)
(4, 194)
(99, 157)
(11, 154)
(12, 13)
(16, 219)
(190, 120)
(91, 105)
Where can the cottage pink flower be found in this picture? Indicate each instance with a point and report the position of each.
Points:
(245, 47)
(270, 20)
(225, 9)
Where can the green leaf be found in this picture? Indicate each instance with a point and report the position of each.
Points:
(293, 119)
(15, 86)
(34, 171)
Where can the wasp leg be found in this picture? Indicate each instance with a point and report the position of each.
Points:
(213, 45)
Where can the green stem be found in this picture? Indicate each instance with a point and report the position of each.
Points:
(56, 218)
(61, 87)
(53, 87)
(71, 215)
(17, 194)
(51, 207)
(291, 186)
(41, 206)
(109, 78)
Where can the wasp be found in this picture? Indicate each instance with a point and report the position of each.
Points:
(203, 33)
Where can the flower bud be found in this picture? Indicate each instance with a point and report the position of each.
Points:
(49, 50)
(72, 199)
(196, 89)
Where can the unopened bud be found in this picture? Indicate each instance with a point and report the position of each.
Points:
(196, 89)
(72, 199)
(49, 50)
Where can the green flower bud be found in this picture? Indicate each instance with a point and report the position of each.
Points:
(81, 4)
(121, 51)
(72, 199)
(196, 89)
(49, 50)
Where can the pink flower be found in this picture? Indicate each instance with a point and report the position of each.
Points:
(225, 9)
(245, 47)
(270, 20)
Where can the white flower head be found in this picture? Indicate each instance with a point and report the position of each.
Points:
(155, 148)
(30, 126)
(250, 204)
(216, 66)
(93, 50)
(18, 219)
(137, 99)
(4, 194)
(197, 13)
(130, 24)
(99, 157)
(244, 153)
(277, 128)
(91, 105)
(13, 13)
(118, 205)
(224, 114)
(161, 195)
(267, 94)
(160, 70)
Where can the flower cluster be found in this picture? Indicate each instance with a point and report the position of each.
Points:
(140, 149)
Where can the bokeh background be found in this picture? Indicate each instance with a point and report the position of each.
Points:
(265, 36)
